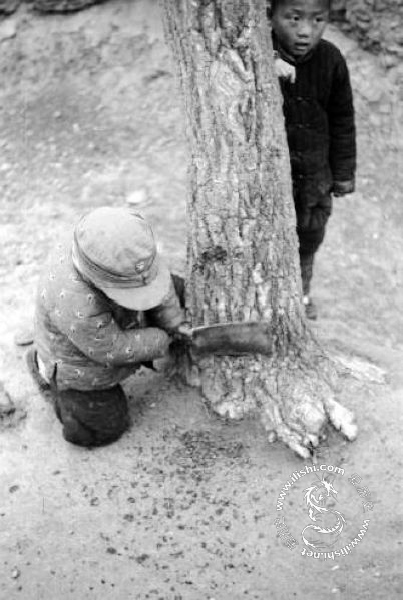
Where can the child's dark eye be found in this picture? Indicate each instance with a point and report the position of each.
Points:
(292, 16)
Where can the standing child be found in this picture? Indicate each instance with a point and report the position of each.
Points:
(319, 119)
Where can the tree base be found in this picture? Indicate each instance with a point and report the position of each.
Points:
(293, 397)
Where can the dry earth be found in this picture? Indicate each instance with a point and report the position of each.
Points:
(183, 506)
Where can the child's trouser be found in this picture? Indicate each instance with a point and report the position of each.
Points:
(92, 418)
(309, 242)
(89, 418)
(313, 205)
(306, 263)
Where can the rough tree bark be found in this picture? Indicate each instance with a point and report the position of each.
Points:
(63, 6)
(242, 245)
(48, 6)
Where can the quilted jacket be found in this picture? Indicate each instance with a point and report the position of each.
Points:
(319, 119)
(94, 343)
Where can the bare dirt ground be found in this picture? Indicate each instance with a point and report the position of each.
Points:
(183, 506)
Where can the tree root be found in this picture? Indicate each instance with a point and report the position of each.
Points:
(294, 398)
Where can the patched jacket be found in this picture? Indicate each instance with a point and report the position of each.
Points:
(319, 118)
(93, 342)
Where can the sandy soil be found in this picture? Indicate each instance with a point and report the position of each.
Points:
(183, 506)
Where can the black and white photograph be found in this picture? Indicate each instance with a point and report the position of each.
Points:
(201, 275)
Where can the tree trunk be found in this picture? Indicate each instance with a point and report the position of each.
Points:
(63, 6)
(242, 246)
(7, 7)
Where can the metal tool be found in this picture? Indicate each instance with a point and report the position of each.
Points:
(232, 339)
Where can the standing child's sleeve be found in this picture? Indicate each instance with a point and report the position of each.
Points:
(342, 155)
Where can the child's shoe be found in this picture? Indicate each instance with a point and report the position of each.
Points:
(33, 368)
(311, 311)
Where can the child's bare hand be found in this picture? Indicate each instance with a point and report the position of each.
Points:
(284, 70)
(341, 188)
(183, 332)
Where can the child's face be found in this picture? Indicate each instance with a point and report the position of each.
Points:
(299, 24)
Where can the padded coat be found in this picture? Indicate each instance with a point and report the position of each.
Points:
(94, 343)
(319, 119)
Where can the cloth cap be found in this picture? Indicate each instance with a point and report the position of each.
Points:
(115, 250)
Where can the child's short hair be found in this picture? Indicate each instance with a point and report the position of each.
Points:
(273, 4)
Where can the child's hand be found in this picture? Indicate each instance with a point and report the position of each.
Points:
(183, 332)
(284, 70)
(341, 188)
